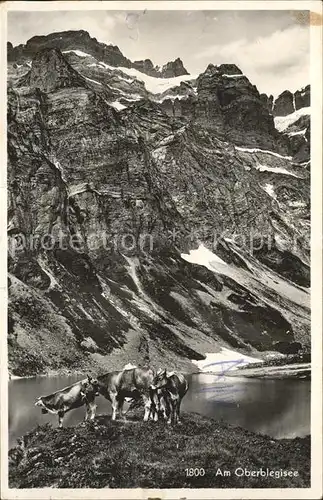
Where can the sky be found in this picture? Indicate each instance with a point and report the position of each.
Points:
(270, 47)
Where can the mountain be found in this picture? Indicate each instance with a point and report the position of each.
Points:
(81, 41)
(169, 70)
(288, 102)
(292, 118)
(151, 219)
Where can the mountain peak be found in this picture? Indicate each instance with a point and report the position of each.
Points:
(174, 68)
(50, 71)
(168, 70)
(288, 102)
(82, 41)
(223, 69)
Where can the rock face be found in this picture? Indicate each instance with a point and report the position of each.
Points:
(303, 97)
(50, 71)
(69, 40)
(173, 68)
(226, 102)
(107, 200)
(294, 122)
(169, 70)
(268, 101)
(81, 41)
(284, 104)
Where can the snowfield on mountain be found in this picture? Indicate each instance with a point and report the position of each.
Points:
(189, 199)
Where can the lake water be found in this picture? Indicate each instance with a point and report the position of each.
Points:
(278, 408)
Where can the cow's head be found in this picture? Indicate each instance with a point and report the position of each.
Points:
(92, 385)
(161, 379)
(39, 402)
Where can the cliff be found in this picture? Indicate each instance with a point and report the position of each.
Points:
(112, 187)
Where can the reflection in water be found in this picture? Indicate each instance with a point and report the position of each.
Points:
(279, 408)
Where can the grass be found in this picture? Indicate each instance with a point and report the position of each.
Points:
(107, 454)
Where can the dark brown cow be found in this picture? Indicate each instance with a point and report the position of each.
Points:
(167, 393)
(73, 396)
(134, 383)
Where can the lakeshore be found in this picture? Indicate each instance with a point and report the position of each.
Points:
(130, 454)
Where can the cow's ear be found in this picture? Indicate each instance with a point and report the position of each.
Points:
(164, 373)
(170, 374)
(89, 378)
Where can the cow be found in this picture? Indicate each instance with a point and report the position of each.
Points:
(167, 392)
(73, 396)
(134, 383)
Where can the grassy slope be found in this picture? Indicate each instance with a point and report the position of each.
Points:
(153, 455)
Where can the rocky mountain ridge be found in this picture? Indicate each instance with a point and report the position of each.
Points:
(190, 216)
(81, 41)
(187, 97)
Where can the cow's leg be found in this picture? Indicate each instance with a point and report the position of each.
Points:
(120, 407)
(147, 404)
(90, 410)
(153, 412)
(179, 411)
(87, 412)
(171, 411)
(114, 403)
(154, 407)
(176, 411)
(60, 419)
(163, 408)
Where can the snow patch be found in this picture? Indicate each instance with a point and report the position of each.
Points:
(258, 150)
(79, 53)
(283, 122)
(297, 204)
(78, 189)
(93, 81)
(117, 105)
(172, 97)
(304, 164)
(59, 167)
(299, 132)
(128, 80)
(269, 188)
(152, 84)
(53, 282)
(224, 361)
(203, 257)
(276, 170)
(159, 153)
(233, 76)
